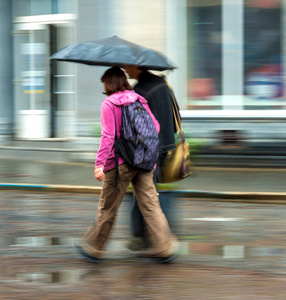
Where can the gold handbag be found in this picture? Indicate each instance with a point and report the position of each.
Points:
(177, 165)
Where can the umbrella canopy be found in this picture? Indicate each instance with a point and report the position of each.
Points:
(114, 51)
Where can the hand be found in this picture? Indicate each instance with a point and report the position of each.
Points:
(98, 174)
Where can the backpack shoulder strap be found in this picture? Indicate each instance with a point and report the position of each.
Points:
(116, 152)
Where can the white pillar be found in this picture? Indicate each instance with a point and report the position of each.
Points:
(176, 40)
(232, 54)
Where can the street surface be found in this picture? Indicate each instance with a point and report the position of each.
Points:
(202, 179)
(228, 251)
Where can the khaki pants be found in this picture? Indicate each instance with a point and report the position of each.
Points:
(94, 239)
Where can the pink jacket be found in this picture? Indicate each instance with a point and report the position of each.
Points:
(111, 123)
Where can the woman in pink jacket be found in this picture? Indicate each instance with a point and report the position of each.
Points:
(164, 244)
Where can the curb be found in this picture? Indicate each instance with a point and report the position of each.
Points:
(51, 188)
(246, 197)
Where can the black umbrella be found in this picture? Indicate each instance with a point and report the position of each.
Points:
(114, 51)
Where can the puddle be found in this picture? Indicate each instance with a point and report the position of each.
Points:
(193, 247)
(36, 241)
(233, 252)
(215, 219)
(58, 277)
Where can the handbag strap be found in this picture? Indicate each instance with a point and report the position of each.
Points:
(176, 114)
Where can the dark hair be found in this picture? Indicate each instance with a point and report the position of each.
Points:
(115, 80)
(144, 69)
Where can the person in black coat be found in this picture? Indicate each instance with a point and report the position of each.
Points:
(156, 91)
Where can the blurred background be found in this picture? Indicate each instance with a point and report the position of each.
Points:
(229, 82)
(230, 85)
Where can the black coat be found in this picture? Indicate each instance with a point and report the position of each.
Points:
(155, 90)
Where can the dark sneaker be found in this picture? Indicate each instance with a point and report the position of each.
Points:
(165, 260)
(83, 254)
(174, 254)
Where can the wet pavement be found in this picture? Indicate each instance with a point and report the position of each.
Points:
(227, 251)
(203, 179)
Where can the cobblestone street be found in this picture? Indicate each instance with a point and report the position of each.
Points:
(228, 251)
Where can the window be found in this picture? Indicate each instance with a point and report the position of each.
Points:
(235, 52)
(42, 7)
(204, 54)
(263, 71)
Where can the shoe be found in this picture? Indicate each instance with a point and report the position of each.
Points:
(79, 250)
(175, 253)
(165, 260)
(136, 244)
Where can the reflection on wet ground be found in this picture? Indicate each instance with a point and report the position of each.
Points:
(35, 241)
(57, 277)
(186, 247)
(226, 249)
(135, 281)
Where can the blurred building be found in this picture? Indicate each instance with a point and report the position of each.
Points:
(229, 55)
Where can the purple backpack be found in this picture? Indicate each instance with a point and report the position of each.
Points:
(138, 144)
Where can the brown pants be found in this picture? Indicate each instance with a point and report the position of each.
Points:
(95, 237)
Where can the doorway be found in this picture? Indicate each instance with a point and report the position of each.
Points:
(44, 90)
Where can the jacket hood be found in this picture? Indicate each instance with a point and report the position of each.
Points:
(125, 98)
